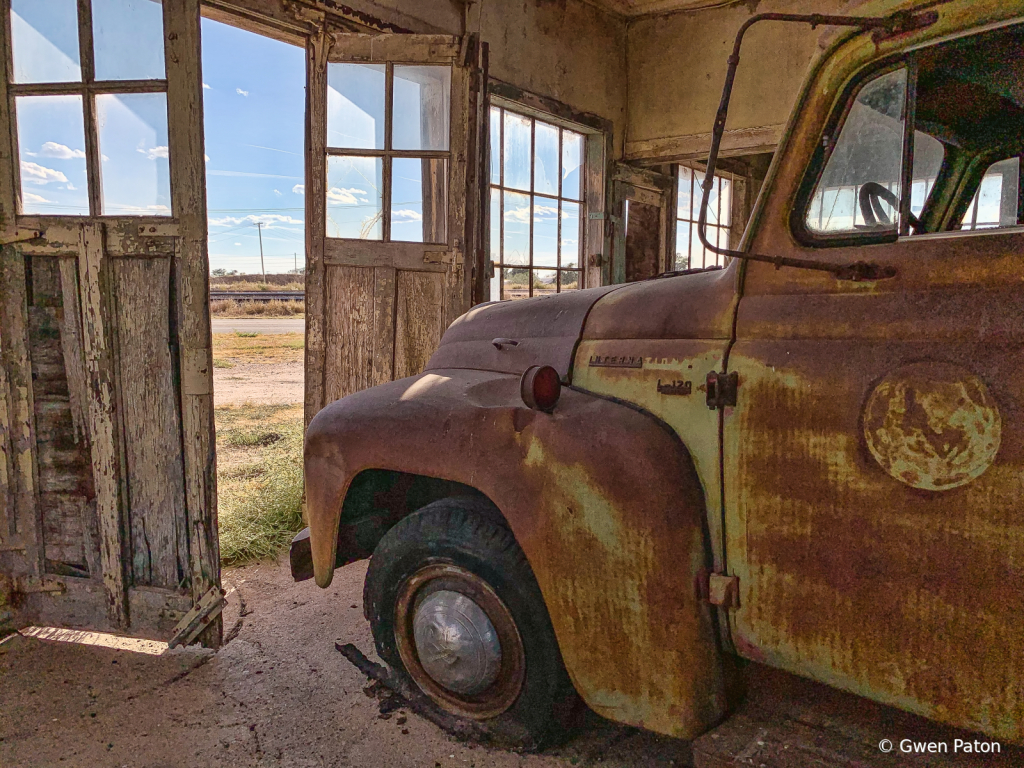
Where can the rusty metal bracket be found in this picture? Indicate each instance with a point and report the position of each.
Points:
(196, 620)
(724, 591)
(18, 235)
(721, 389)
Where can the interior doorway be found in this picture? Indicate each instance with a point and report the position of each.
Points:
(254, 110)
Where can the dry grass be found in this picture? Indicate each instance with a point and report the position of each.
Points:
(232, 308)
(246, 285)
(259, 479)
(229, 349)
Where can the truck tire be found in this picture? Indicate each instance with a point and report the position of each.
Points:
(455, 610)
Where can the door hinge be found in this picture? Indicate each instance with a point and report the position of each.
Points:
(721, 389)
(199, 618)
(724, 590)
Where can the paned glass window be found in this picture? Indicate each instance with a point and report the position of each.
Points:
(92, 131)
(537, 207)
(690, 252)
(388, 152)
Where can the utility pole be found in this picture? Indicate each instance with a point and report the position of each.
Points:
(296, 270)
(259, 228)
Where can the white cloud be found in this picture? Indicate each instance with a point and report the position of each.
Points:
(344, 196)
(207, 158)
(237, 243)
(250, 175)
(59, 151)
(299, 189)
(154, 153)
(71, 186)
(269, 220)
(206, 87)
(277, 192)
(31, 198)
(149, 210)
(540, 213)
(34, 173)
(240, 92)
(406, 215)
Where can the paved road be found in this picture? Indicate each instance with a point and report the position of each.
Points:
(260, 325)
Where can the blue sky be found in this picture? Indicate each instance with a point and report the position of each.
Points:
(254, 91)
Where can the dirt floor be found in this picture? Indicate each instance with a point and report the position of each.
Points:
(253, 366)
(278, 694)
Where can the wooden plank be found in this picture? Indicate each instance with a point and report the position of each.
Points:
(457, 280)
(425, 49)
(596, 252)
(418, 320)
(10, 175)
(383, 349)
(350, 330)
(7, 489)
(366, 253)
(154, 463)
(71, 345)
(183, 57)
(21, 425)
(317, 50)
(103, 437)
(740, 141)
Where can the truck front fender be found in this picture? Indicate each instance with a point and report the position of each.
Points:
(604, 501)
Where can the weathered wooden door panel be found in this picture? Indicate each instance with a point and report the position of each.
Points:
(108, 516)
(643, 223)
(381, 292)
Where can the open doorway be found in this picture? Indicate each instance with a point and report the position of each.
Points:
(254, 104)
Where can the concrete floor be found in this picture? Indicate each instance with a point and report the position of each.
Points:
(278, 694)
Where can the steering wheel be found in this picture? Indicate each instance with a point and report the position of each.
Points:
(871, 197)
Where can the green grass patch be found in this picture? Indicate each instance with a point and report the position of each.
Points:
(259, 480)
(220, 363)
(246, 334)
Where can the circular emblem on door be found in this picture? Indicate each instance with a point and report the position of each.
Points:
(933, 426)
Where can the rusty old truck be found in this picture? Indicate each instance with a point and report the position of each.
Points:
(812, 458)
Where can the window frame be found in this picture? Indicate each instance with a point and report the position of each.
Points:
(819, 160)
(594, 235)
(88, 88)
(696, 202)
(388, 154)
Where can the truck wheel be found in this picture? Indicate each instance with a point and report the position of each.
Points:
(455, 608)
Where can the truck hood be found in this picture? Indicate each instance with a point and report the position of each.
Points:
(545, 330)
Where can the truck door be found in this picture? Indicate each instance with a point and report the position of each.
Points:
(393, 235)
(873, 463)
(107, 485)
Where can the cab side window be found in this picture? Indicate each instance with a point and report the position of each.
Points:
(957, 170)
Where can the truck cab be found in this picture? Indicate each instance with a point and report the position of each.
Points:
(811, 458)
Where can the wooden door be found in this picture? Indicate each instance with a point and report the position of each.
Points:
(643, 224)
(392, 227)
(107, 468)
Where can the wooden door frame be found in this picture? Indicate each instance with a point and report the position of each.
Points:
(87, 244)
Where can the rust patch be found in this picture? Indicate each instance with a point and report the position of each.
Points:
(933, 426)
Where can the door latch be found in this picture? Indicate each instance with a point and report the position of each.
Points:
(721, 389)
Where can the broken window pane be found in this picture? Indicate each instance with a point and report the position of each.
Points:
(518, 155)
(354, 187)
(128, 39)
(869, 151)
(355, 106)
(51, 142)
(572, 164)
(545, 173)
(422, 103)
(419, 202)
(44, 36)
(134, 154)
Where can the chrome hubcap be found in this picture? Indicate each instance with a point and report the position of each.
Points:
(456, 642)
